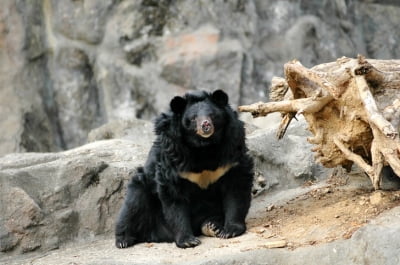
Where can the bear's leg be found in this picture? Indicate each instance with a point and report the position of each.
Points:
(140, 218)
(177, 216)
(236, 199)
(207, 216)
(124, 234)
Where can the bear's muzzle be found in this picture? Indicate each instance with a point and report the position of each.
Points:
(204, 127)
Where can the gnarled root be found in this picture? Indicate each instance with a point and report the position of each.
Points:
(351, 107)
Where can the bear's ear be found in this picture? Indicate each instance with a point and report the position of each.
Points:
(177, 104)
(220, 97)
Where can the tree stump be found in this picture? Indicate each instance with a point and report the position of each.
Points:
(352, 107)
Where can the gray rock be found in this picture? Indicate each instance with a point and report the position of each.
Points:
(135, 130)
(187, 58)
(76, 20)
(75, 95)
(48, 199)
(284, 163)
(25, 124)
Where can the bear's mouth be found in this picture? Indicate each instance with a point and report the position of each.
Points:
(205, 127)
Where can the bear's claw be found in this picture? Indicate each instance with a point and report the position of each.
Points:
(188, 242)
(232, 230)
(122, 242)
(211, 229)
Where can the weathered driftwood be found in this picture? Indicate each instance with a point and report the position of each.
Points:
(352, 107)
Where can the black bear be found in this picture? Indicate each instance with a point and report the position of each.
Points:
(197, 178)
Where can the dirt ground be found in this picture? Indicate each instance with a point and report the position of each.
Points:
(324, 214)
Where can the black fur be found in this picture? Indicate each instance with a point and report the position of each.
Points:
(161, 205)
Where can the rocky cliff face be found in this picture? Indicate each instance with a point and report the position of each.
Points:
(69, 66)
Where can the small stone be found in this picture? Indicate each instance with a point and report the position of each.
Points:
(376, 198)
(268, 234)
(276, 244)
(260, 230)
(270, 208)
(326, 191)
(149, 245)
(261, 179)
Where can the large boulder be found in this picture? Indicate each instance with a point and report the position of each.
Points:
(48, 199)
(285, 163)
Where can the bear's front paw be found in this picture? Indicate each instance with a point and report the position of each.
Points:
(188, 242)
(211, 228)
(232, 230)
(124, 241)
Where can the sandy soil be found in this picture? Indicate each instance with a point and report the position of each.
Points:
(324, 214)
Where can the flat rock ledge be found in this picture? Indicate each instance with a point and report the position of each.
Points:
(375, 243)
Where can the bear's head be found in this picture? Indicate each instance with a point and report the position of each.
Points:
(203, 116)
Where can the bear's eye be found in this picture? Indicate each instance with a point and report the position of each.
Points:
(187, 122)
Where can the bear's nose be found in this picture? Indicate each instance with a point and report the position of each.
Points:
(206, 126)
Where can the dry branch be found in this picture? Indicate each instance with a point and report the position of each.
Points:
(352, 107)
(304, 105)
(373, 113)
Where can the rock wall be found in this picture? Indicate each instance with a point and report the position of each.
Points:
(69, 66)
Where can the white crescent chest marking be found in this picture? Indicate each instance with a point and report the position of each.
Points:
(206, 177)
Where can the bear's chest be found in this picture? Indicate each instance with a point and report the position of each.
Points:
(205, 178)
